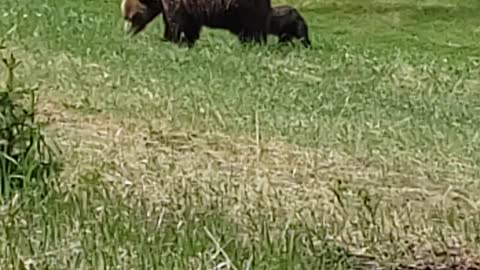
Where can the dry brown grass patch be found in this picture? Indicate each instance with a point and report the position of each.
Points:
(320, 187)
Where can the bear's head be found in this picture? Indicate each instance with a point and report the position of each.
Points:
(139, 13)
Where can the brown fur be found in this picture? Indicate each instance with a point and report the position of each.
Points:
(248, 19)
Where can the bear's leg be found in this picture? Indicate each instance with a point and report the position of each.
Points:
(175, 32)
(255, 36)
(192, 34)
(264, 36)
(169, 29)
(264, 23)
(167, 33)
(243, 36)
(264, 31)
(250, 36)
(257, 31)
(180, 23)
(172, 26)
(252, 30)
(260, 37)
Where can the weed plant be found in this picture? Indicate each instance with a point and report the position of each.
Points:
(26, 160)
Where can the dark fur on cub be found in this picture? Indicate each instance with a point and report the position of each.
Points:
(287, 23)
(247, 19)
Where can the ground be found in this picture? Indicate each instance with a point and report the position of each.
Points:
(369, 140)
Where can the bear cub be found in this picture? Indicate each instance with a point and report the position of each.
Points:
(286, 23)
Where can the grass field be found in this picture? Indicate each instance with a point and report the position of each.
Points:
(361, 151)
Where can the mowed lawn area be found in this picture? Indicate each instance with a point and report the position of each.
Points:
(362, 151)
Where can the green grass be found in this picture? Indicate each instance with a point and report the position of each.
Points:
(90, 228)
(386, 103)
(26, 160)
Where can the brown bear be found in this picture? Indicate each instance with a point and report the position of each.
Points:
(247, 19)
(287, 23)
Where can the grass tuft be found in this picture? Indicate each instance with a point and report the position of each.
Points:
(26, 160)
